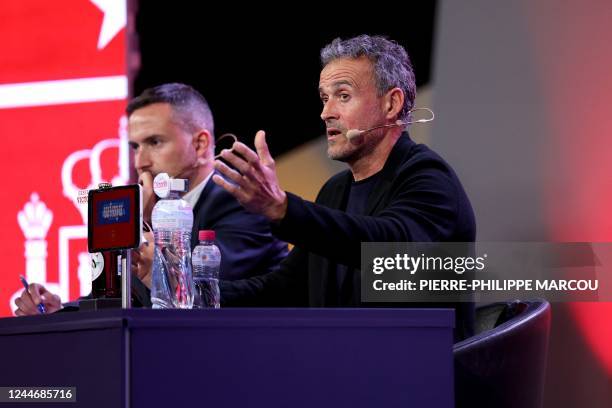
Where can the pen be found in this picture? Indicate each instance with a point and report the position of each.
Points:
(26, 285)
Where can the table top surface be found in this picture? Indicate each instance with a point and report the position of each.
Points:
(231, 317)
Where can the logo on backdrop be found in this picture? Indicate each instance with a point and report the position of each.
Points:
(36, 218)
(87, 82)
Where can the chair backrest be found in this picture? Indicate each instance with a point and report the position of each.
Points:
(504, 364)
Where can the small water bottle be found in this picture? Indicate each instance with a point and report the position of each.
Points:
(206, 261)
(172, 220)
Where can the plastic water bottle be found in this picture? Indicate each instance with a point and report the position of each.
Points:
(206, 261)
(172, 220)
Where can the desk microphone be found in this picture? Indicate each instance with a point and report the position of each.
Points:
(353, 133)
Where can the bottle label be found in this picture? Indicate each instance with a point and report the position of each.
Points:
(172, 215)
(172, 224)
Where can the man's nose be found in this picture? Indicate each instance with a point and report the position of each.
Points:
(329, 111)
(141, 160)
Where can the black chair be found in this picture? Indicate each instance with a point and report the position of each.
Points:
(504, 363)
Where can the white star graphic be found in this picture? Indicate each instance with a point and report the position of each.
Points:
(115, 17)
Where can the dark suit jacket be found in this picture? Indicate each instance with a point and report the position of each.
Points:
(417, 198)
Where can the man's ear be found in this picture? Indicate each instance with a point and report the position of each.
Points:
(203, 141)
(394, 101)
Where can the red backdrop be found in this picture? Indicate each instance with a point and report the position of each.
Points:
(62, 94)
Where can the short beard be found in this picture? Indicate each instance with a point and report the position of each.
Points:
(351, 153)
(344, 155)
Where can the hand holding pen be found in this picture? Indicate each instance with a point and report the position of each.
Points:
(40, 306)
(36, 299)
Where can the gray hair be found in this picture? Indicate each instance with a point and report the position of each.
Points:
(190, 109)
(392, 67)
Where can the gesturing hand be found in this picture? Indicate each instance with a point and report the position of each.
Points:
(254, 184)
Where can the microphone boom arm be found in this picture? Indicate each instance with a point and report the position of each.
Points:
(353, 133)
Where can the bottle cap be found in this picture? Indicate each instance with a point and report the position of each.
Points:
(163, 185)
(206, 235)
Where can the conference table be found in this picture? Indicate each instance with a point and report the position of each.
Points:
(235, 357)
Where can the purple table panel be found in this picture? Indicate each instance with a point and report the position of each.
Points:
(236, 357)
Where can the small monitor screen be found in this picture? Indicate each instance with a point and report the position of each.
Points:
(114, 218)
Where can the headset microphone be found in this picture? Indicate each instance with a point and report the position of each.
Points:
(353, 133)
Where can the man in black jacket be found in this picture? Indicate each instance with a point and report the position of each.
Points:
(170, 129)
(394, 190)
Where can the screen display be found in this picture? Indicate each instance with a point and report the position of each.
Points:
(115, 220)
